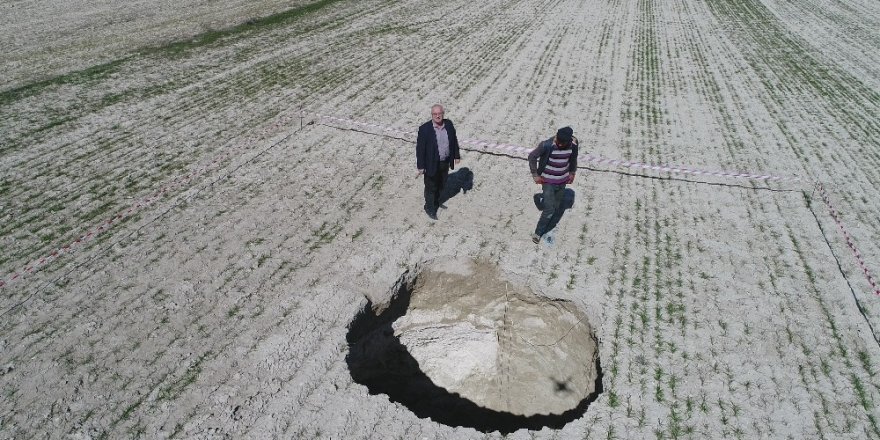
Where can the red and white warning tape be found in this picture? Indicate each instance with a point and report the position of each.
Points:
(484, 145)
(135, 207)
(599, 160)
(673, 169)
(849, 241)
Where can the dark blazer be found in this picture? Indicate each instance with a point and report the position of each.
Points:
(427, 156)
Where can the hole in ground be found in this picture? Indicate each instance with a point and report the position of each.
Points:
(460, 344)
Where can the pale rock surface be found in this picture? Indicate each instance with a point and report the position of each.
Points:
(499, 345)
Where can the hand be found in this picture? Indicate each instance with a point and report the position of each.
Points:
(538, 179)
(457, 161)
(421, 172)
(571, 178)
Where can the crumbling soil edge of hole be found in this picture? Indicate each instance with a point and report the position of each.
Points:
(377, 359)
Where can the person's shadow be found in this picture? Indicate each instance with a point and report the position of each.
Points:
(566, 204)
(459, 181)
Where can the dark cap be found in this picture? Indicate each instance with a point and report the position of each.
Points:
(564, 135)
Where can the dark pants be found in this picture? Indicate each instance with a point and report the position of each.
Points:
(434, 186)
(552, 205)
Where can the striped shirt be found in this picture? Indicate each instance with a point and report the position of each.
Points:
(556, 171)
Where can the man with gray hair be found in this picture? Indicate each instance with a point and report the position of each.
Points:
(436, 153)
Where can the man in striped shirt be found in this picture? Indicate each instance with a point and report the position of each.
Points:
(553, 165)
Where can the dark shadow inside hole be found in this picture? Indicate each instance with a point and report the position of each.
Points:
(378, 360)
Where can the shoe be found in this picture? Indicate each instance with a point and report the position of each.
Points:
(431, 214)
(442, 206)
(536, 238)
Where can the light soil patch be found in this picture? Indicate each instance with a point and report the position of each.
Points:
(473, 348)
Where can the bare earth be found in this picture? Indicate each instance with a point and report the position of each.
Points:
(231, 235)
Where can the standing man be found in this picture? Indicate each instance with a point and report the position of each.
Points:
(436, 154)
(553, 165)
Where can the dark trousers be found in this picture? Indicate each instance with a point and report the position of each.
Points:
(552, 203)
(434, 185)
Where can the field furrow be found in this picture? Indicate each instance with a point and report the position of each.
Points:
(185, 241)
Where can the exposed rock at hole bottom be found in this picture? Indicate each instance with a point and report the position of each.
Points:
(497, 344)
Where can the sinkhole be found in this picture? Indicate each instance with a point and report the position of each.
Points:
(461, 344)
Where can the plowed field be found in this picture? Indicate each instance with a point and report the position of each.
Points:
(197, 198)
